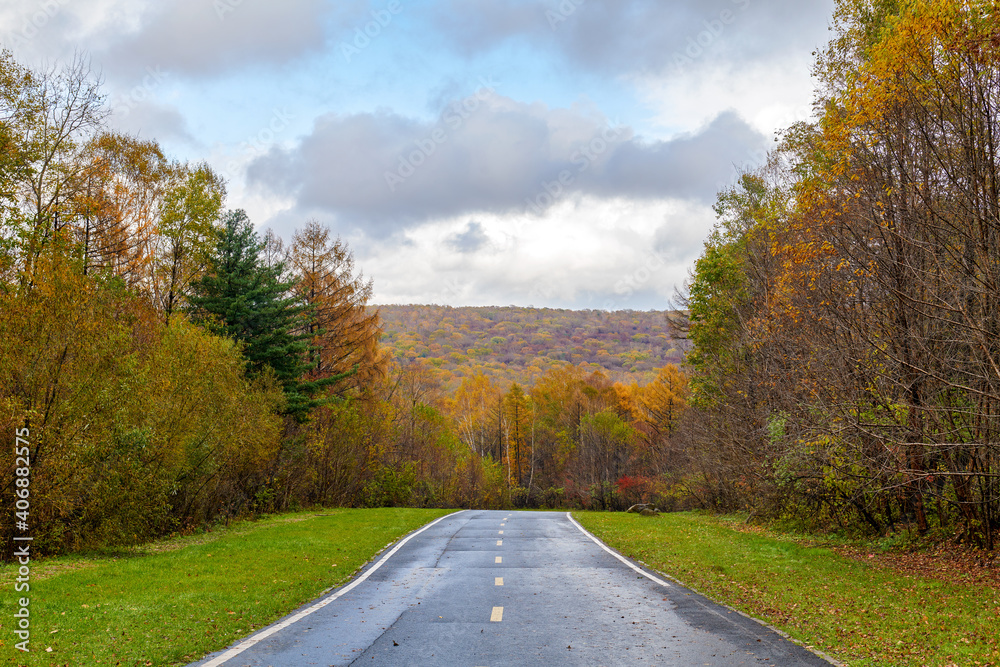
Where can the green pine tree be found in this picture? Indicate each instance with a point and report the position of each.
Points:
(245, 298)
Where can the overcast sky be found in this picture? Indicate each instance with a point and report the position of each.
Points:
(560, 153)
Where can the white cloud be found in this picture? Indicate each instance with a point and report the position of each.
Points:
(585, 252)
(771, 95)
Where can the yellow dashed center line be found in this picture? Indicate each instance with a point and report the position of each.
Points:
(499, 559)
(498, 581)
(499, 543)
(497, 615)
(501, 532)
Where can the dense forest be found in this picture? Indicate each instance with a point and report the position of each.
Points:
(846, 310)
(520, 345)
(167, 366)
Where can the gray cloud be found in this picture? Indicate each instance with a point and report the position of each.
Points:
(493, 154)
(150, 120)
(470, 240)
(199, 37)
(191, 37)
(690, 167)
(36, 31)
(635, 35)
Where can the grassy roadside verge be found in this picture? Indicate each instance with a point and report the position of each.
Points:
(173, 601)
(860, 613)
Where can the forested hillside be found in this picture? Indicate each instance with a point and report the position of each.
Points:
(846, 310)
(511, 344)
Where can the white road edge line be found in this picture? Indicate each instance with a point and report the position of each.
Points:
(267, 632)
(616, 554)
(777, 631)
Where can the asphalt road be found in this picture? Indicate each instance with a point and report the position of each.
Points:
(487, 589)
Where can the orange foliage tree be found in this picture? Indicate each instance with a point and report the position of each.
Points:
(345, 332)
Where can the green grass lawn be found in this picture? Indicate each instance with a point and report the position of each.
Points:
(858, 612)
(172, 602)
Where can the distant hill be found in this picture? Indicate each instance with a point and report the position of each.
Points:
(515, 344)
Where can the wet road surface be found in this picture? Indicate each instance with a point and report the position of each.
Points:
(490, 588)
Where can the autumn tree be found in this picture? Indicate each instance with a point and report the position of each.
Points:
(909, 206)
(119, 454)
(605, 444)
(413, 387)
(51, 117)
(661, 403)
(16, 104)
(343, 332)
(115, 212)
(186, 235)
(518, 431)
(474, 410)
(845, 339)
(244, 299)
